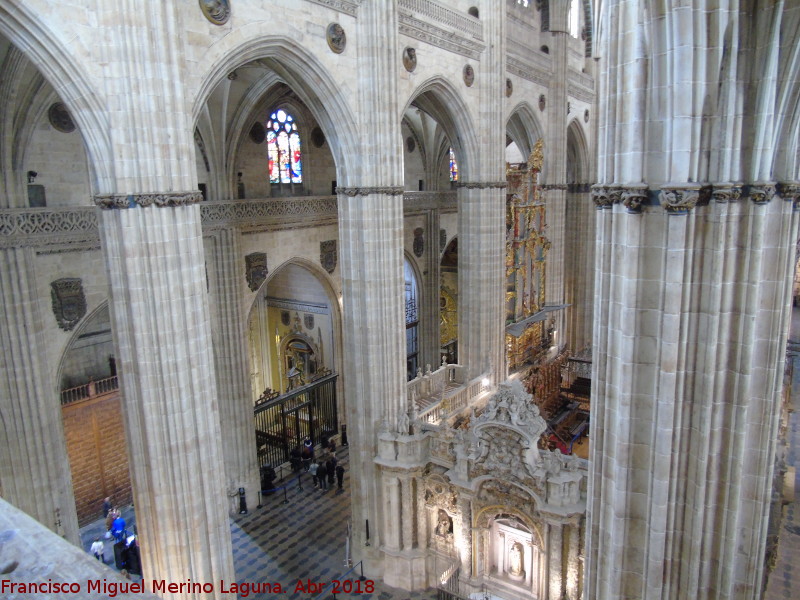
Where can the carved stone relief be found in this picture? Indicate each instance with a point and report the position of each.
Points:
(337, 40)
(469, 75)
(69, 301)
(328, 255)
(509, 88)
(410, 59)
(256, 269)
(419, 242)
(216, 11)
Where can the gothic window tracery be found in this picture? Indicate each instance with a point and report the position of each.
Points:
(283, 148)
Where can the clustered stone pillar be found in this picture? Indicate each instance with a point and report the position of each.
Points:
(226, 274)
(34, 467)
(154, 258)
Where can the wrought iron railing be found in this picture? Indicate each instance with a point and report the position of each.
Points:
(283, 423)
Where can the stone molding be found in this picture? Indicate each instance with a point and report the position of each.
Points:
(435, 11)
(761, 192)
(421, 201)
(482, 185)
(527, 71)
(160, 199)
(436, 36)
(348, 7)
(555, 186)
(580, 86)
(393, 190)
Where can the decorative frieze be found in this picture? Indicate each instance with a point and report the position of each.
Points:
(527, 71)
(441, 38)
(761, 192)
(482, 185)
(367, 191)
(115, 201)
(348, 7)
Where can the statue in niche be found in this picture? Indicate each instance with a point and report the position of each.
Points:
(515, 559)
(444, 524)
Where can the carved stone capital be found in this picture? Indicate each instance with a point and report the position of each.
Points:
(600, 196)
(112, 201)
(394, 190)
(761, 192)
(726, 192)
(789, 191)
(679, 199)
(633, 197)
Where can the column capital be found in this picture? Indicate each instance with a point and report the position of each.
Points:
(634, 196)
(160, 199)
(761, 192)
(681, 198)
(726, 192)
(605, 195)
(789, 191)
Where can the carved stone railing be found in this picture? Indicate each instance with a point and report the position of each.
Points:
(440, 394)
(435, 11)
(92, 389)
(49, 226)
(421, 201)
(263, 213)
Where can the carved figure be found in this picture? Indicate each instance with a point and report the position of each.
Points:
(515, 559)
(410, 59)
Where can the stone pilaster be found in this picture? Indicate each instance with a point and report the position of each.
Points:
(226, 273)
(408, 513)
(573, 562)
(555, 560)
(34, 466)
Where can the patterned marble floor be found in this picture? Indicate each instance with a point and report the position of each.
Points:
(301, 540)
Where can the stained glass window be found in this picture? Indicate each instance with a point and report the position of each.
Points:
(453, 166)
(283, 147)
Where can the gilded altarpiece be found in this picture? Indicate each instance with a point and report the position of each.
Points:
(526, 259)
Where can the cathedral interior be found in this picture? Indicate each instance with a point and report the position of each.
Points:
(532, 262)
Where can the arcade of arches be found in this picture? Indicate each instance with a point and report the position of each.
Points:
(536, 257)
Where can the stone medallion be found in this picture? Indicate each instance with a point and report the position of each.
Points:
(542, 102)
(469, 75)
(336, 37)
(216, 11)
(60, 118)
(255, 269)
(257, 133)
(410, 144)
(317, 137)
(328, 255)
(586, 116)
(509, 88)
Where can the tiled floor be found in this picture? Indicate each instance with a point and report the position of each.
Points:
(303, 539)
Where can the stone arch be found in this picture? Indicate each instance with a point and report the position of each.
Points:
(523, 127)
(70, 81)
(577, 153)
(482, 518)
(439, 99)
(312, 82)
(334, 302)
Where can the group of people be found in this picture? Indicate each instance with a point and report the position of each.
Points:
(323, 471)
(115, 523)
(126, 547)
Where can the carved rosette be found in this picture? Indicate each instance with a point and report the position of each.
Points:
(723, 193)
(634, 197)
(761, 192)
(367, 191)
(113, 201)
(69, 301)
(790, 192)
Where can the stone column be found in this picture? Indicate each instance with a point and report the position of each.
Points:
(692, 305)
(226, 272)
(481, 215)
(407, 516)
(151, 234)
(573, 561)
(555, 562)
(430, 341)
(555, 180)
(465, 507)
(371, 258)
(34, 466)
(393, 515)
